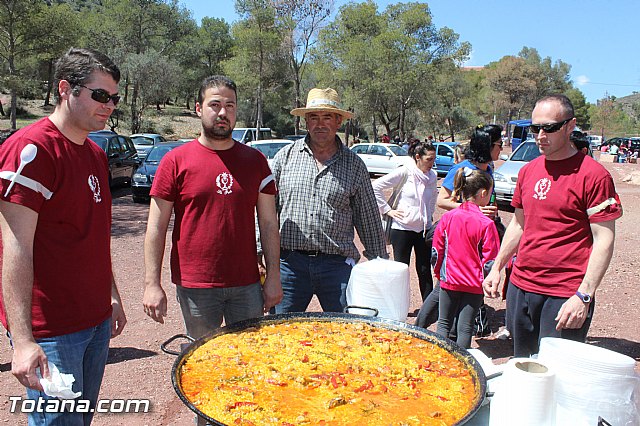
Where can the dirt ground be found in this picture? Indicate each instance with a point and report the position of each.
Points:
(137, 368)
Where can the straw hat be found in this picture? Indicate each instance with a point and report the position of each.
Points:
(322, 100)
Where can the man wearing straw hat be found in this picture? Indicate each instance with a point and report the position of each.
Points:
(324, 192)
(563, 229)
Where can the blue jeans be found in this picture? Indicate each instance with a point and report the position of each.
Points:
(83, 354)
(204, 308)
(302, 276)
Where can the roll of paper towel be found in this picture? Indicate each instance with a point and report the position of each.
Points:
(525, 396)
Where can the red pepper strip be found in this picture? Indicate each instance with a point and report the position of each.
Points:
(334, 382)
(305, 358)
(365, 387)
(241, 404)
(306, 342)
(442, 398)
(275, 382)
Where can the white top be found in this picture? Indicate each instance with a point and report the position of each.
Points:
(417, 197)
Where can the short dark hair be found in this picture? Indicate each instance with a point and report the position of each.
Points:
(579, 139)
(76, 67)
(216, 81)
(494, 130)
(467, 182)
(420, 147)
(563, 100)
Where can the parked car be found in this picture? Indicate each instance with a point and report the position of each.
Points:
(144, 142)
(595, 141)
(248, 134)
(619, 141)
(270, 147)
(295, 137)
(382, 158)
(143, 177)
(444, 157)
(121, 153)
(506, 176)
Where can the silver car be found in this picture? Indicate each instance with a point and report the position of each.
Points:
(506, 176)
(144, 142)
(269, 147)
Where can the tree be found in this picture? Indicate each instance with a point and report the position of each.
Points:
(549, 77)
(124, 28)
(510, 80)
(154, 75)
(302, 19)
(22, 39)
(449, 89)
(385, 62)
(201, 54)
(259, 62)
(580, 108)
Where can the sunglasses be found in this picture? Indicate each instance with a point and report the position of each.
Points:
(498, 144)
(102, 96)
(548, 128)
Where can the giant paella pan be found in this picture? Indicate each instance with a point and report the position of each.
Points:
(327, 369)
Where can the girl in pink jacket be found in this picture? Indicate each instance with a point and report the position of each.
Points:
(466, 241)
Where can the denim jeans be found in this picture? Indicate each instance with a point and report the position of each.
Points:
(83, 354)
(302, 276)
(204, 308)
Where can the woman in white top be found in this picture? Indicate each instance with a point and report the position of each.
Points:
(412, 217)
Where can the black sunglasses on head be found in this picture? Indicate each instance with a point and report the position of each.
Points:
(550, 127)
(102, 96)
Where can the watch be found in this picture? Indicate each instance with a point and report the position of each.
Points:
(585, 297)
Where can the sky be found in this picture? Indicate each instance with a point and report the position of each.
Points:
(598, 38)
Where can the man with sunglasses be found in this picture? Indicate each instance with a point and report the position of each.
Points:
(563, 230)
(60, 303)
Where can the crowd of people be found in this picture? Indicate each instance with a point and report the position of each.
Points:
(60, 303)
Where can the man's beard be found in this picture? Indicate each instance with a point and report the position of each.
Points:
(217, 133)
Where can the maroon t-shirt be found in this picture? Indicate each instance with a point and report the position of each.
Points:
(214, 195)
(71, 249)
(560, 199)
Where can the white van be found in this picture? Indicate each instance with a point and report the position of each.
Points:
(249, 134)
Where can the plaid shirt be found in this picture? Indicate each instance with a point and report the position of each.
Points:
(319, 209)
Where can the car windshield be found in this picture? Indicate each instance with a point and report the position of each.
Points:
(101, 141)
(269, 150)
(526, 152)
(156, 154)
(398, 150)
(238, 134)
(142, 140)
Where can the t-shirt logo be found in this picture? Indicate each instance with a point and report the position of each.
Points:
(224, 182)
(542, 189)
(94, 184)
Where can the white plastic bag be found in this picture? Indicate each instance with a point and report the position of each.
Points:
(381, 284)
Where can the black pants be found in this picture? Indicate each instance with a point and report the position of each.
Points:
(531, 317)
(428, 313)
(465, 307)
(403, 242)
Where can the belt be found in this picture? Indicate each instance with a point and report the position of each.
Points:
(310, 253)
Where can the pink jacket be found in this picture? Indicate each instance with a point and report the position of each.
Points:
(465, 240)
